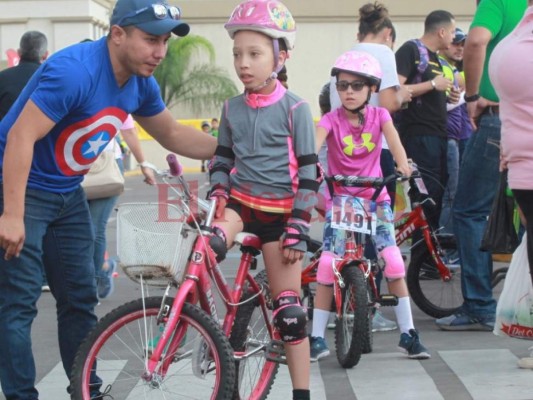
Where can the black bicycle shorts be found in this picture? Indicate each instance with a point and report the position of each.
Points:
(266, 225)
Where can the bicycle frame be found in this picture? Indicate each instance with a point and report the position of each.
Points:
(197, 287)
(408, 223)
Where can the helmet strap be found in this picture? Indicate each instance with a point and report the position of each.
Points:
(278, 67)
(358, 110)
(275, 44)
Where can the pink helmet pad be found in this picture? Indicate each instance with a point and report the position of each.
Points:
(359, 63)
(270, 17)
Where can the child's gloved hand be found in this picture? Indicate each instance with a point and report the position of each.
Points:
(293, 242)
(222, 197)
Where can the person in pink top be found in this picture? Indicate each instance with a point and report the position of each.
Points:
(510, 73)
(354, 134)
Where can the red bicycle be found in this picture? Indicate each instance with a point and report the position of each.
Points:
(433, 276)
(355, 291)
(162, 347)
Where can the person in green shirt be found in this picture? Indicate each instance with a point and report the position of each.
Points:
(214, 127)
(479, 173)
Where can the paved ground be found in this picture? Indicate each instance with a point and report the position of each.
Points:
(464, 365)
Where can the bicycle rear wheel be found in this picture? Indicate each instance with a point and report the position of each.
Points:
(249, 338)
(202, 367)
(429, 292)
(351, 331)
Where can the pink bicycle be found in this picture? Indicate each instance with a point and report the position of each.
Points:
(173, 347)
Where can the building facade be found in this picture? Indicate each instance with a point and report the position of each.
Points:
(325, 30)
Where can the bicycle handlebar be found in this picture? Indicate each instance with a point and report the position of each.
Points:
(374, 182)
(176, 171)
(362, 181)
(175, 167)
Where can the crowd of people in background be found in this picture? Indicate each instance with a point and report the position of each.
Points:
(449, 100)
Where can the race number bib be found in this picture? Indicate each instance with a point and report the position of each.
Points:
(353, 214)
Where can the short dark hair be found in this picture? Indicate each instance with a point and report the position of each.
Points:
(436, 19)
(323, 99)
(33, 46)
(282, 74)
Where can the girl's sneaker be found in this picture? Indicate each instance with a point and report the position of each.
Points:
(319, 348)
(382, 324)
(410, 344)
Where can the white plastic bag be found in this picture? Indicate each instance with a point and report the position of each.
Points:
(514, 313)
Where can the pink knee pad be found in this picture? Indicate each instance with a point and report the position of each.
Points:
(394, 265)
(325, 275)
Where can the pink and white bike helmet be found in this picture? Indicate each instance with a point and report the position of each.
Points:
(270, 17)
(361, 64)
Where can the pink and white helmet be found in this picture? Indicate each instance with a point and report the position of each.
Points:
(270, 17)
(359, 63)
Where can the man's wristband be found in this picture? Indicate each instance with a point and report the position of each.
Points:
(433, 84)
(470, 99)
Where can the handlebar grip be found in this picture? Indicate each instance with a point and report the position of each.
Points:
(175, 167)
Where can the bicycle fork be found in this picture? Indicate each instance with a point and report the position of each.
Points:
(169, 339)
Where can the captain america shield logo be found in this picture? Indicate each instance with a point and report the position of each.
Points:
(80, 144)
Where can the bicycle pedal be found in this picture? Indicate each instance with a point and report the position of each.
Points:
(388, 300)
(275, 352)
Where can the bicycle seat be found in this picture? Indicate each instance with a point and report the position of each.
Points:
(248, 240)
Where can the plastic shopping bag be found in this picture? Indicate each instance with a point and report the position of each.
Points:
(514, 313)
(500, 234)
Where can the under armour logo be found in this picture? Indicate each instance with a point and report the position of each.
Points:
(350, 145)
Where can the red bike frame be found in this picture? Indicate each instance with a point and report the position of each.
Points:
(409, 222)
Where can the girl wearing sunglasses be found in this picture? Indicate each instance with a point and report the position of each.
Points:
(354, 137)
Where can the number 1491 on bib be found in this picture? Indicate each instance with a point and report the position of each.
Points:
(354, 214)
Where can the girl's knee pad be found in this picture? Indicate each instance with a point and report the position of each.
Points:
(394, 265)
(324, 273)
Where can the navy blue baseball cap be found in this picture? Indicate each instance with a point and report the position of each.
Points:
(460, 36)
(155, 17)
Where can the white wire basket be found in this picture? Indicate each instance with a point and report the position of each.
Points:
(154, 242)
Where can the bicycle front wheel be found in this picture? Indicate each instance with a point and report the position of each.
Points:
(201, 364)
(249, 338)
(352, 329)
(428, 290)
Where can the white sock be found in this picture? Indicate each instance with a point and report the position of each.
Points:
(404, 315)
(320, 322)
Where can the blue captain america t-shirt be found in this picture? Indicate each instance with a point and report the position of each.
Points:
(76, 88)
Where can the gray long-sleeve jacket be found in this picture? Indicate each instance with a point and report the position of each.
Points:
(266, 155)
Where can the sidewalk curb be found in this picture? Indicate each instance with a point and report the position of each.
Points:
(186, 170)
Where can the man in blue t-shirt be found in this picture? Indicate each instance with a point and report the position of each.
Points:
(74, 104)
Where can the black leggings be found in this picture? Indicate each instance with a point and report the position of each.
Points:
(524, 198)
